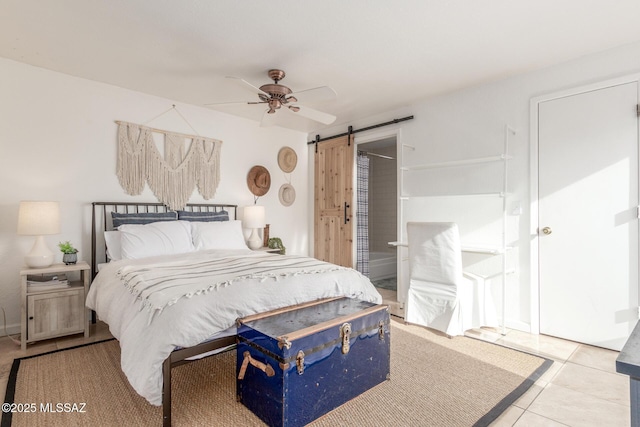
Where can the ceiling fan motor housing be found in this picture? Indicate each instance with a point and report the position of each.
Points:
(275, 90)
(277, 93)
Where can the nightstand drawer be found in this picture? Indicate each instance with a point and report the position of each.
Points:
(53, 314)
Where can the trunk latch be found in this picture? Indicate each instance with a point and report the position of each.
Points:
(300, 362)
(345, 333)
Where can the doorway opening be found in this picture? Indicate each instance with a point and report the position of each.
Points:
(377, 221)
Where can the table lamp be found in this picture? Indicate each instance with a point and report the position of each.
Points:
(39, 219)
(254, 219)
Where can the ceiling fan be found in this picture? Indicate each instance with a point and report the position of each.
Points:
(275, 96)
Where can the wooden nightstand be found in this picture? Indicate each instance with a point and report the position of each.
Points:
(54, 313)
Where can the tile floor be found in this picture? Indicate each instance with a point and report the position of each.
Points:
(580, 389)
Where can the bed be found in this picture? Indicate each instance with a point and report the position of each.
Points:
(167, 303)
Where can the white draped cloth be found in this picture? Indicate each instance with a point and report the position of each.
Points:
(440, 295)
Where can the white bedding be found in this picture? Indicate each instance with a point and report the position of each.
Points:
(192, 320)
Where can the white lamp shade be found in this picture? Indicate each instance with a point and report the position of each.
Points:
(38, 218)
(254, 217)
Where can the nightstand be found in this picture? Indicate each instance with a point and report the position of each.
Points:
(54, 313)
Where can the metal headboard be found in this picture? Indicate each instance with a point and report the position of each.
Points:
(101, 221)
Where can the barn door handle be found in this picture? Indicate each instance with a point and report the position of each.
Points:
(346, 218)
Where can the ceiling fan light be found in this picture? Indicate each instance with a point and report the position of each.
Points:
(274, 104)
(294, 108)
(292, 99)
(271, 111)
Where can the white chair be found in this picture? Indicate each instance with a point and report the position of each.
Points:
(440, 296)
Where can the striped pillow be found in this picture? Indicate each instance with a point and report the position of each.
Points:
(203, 216)
(142, 217)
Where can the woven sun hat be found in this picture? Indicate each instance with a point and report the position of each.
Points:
(259, 180)
(287, 159)
(287, 194)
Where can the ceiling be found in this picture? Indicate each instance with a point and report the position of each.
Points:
(378, 55)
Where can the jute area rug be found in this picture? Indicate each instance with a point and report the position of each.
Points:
(435, 381)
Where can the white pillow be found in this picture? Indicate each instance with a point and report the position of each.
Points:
(156, 238)
(218, 235)
(114, 245)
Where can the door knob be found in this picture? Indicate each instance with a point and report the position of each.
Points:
(546, 230)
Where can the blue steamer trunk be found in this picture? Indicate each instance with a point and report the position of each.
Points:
(296, 364)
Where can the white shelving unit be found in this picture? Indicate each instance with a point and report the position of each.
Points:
(464, 162)
(502, 248)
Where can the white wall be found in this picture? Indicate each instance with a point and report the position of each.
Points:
(58, 142)
(470, 123)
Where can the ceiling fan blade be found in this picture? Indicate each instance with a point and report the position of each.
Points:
(317, 94)
(234, 103)
(318, 116)
(269, 119)
(246, 85)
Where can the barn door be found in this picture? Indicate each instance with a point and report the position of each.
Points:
(334, 201)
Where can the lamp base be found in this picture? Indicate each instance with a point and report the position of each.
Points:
(40, 255)
(255, 242)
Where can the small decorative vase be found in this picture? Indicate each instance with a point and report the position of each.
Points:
(70, 258)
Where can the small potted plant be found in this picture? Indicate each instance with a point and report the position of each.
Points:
(70, 253)
(276, 243)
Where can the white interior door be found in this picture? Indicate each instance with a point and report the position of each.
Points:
(588, 219)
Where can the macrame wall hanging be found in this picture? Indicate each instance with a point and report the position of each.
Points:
(174, 176)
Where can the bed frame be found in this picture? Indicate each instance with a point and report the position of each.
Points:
(101, 222)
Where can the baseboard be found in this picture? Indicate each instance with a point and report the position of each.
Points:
(13, 329)
(518, 325)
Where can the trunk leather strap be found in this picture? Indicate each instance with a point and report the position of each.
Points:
(264, 367)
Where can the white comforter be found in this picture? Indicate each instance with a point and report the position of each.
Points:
(197, 316)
